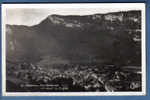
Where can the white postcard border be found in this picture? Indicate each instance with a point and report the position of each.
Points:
(141, 7)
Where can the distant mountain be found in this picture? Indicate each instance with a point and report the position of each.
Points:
(99, 38)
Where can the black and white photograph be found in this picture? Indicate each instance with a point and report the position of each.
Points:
(73, 49)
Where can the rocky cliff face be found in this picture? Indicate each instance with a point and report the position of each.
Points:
(99, 38)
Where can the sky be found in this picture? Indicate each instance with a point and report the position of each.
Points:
(31, 14)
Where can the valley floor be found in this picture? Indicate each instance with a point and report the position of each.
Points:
(72, 78)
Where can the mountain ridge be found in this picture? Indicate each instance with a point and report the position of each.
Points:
(76, 39)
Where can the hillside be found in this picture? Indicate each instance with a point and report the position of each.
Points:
(113, 38)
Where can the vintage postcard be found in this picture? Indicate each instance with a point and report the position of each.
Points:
(76, 49)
